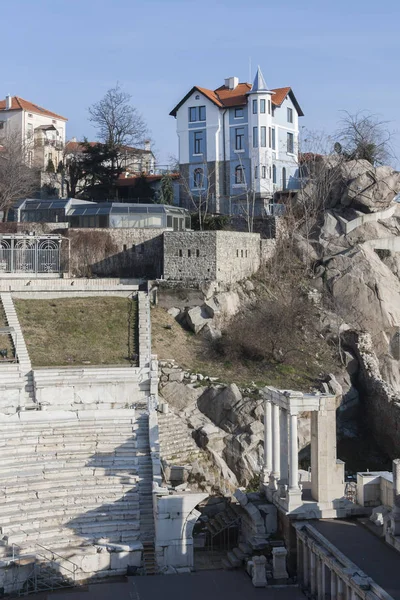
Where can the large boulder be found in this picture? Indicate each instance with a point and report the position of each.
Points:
(373, 190)
(196, 318)
(366, 295)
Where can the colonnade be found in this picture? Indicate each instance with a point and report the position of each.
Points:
(325, 576)
(280, 467)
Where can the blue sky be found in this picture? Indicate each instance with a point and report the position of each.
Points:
(65, 54)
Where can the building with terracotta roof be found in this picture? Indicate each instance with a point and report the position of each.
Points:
(238, 144)
(42, 130)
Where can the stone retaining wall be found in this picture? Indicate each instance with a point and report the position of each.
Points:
(210, 255)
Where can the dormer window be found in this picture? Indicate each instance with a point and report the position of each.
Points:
(238, 113)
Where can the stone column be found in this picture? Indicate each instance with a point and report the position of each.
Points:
(258, 577)
(267, 439)
(313, 573)
(395, 516)
(279, 563)
(340, 589)
(276, 450)
(320, 589)
(306, 566)
(294, 455)
(333, 585)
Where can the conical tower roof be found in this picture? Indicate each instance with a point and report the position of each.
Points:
(259, 84)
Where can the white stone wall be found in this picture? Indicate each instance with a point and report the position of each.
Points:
(238, 255)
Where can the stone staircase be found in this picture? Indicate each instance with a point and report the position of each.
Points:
(23, 373)
(177, 447)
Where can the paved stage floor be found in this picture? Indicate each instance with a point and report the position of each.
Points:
(212, 585)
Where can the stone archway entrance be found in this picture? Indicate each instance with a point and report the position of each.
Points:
(216, 532)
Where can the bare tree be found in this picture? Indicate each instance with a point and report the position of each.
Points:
(73, 168)
(364, 135)
(199, 191)
(117, 122)
(17, 179)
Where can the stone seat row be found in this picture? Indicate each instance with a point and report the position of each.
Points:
(55, 518)
(63, 539)
(84, 496)
(48, 507)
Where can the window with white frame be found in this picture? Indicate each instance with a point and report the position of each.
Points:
(254, 107)
(290, 115)
(255, 172)
(255, 137)
(238, 113)
(270, 137)
(198, 142)
(202, 113)
(262, 106)
(263, 172)
(263, 137)
(239, 138)
(269, 107)
(29, 130)
(273, 174)
(198, 178)
(192, 114)
(273, 138)
(290, 143)
(239, 174)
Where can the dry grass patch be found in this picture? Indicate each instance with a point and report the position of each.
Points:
(192, 352)
(78, 331)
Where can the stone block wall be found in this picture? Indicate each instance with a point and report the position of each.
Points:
(116, 252)
(190, 255)
(224, 256)
(238, 255)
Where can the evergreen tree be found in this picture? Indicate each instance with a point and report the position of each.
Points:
(167, 190)
(50, 166)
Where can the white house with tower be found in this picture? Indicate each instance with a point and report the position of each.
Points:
(238, 143)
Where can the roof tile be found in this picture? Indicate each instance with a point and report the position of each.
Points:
(18, 103)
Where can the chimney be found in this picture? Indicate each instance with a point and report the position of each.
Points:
(231, 82)
(73, 139)
(8, 102)
(147, 145)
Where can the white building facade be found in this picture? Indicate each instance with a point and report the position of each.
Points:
(238, 144)
(42, 131)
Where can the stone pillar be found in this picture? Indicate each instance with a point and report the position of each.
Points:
(395, 516)
(340, 589)
(267, 439)
(333, 585)
(279, 563)
(294, 455)
(306, 566)
(300, 558)
(313, 573)
(258, 576)
(276, 449)
(320, 583)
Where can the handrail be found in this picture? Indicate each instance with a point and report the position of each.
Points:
(75, 566)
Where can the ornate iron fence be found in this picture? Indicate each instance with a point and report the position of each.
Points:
(29, 254)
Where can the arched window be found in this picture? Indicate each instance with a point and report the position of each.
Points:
(284, 178)
(239, 174)
(198, 178)
(273, 174)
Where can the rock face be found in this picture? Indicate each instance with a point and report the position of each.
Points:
(372, 190)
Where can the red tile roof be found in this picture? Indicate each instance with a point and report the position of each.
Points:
(18, 103)
(78, 147)
(223, 96)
